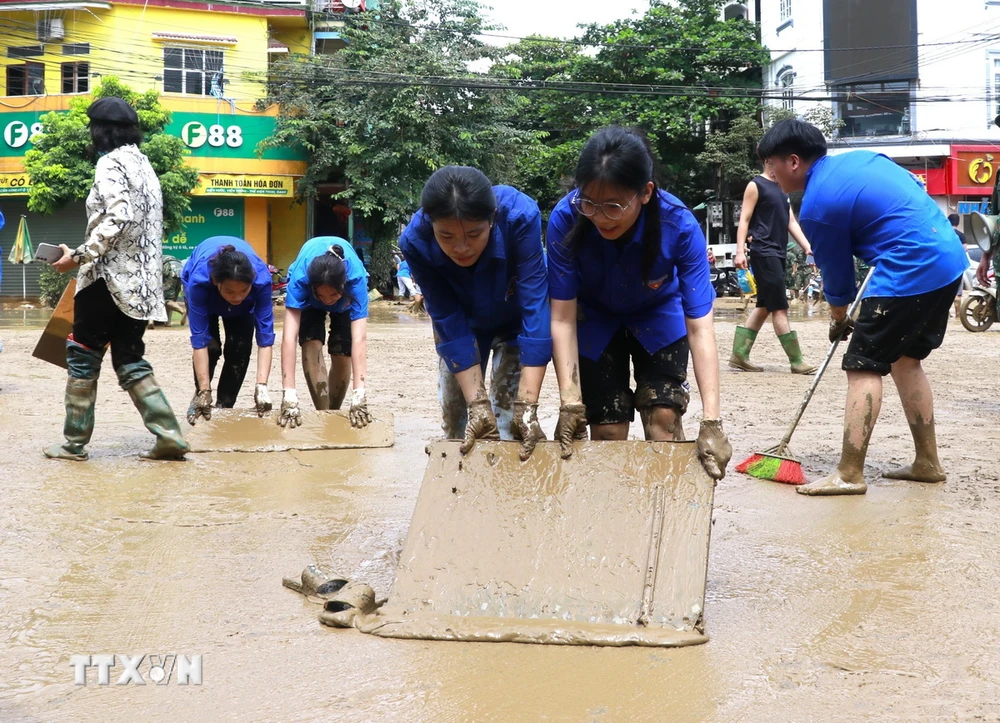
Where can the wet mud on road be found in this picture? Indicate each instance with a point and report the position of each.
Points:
(883, 605)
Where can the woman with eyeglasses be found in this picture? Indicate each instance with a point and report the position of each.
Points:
(327, 279)
(475, 251)
(629, 282)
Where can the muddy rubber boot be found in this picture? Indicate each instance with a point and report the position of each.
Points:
(742, 344)
(790, 343)
(81, 394)
(159, 419)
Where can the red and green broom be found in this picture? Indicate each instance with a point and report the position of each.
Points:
(777, 463)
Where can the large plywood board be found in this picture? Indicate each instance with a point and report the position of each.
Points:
(51, 347)
(607, 548)
(231, 430)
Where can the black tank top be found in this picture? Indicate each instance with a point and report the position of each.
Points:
(769, 223)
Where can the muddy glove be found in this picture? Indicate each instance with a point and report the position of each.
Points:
(201, 406)
(290, 416)
(358, 413)
(261, 400)
(572, 426)
(841, 329)
(524, 427)
(482, 424)
(714, 449)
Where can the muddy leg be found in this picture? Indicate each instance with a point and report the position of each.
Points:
(454, 411)
(756, 318)
(918, 403)
(660, 424)
(613, 432)
(504, 379)
(864, 402)
(339, 379)
(314, 370)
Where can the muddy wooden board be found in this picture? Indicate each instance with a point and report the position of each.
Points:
(232, 430)
(51, 347)
(607, 548)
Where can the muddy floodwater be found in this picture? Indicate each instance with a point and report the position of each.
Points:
(880, 606)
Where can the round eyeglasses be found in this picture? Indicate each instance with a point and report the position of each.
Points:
(611, 211)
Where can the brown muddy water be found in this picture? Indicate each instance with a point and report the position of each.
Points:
(880, 606)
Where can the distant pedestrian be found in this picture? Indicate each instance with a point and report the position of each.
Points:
(954, 220)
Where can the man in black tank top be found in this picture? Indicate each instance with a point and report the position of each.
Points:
(767, 220)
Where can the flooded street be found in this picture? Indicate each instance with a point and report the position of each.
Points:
(818, 609)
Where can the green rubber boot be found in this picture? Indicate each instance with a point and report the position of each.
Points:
(81, 394)
(159, 419)
(742, 344)
(790, 343)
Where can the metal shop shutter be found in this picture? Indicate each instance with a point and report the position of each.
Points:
(65, 227)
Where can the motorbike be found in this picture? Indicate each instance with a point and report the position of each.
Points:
(724, 281)
(279, 285)
(978, 311)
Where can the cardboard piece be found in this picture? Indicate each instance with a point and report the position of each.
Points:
(607, 548)
(241, 430)
(51, 347)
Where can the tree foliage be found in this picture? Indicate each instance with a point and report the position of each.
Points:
(61, 164)
(382, 115)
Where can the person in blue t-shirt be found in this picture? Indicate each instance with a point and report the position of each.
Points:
(327, 279)
(861, 204)
(226, 279)
(629, 282)
(475, 250)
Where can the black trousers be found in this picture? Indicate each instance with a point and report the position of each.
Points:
(236, 350)
(97, 322)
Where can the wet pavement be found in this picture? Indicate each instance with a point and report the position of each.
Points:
(881, 606)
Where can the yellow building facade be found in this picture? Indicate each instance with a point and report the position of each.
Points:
(209, 63)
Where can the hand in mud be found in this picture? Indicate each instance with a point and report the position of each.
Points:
(714, 450)
(482, 424)
(358, 413)
(201, 406)
(290, 416)
(572, 426)
(841, 329)
(261, 399)
(525, 428)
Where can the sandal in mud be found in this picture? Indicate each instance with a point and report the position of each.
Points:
(354, 599)
(316, 584)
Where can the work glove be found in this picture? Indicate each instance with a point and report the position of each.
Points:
(572, 426)
(261, 400)
(841, 329)
(358, 412)
(290, 416)
(201, 406)
(714, 450)
(482, 424)
(524, 427)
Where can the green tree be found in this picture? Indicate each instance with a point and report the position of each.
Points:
(395, 105)
(61, 164)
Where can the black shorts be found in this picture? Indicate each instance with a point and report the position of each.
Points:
(312, 327)
(888, 328)
(769, 274)
(660, 379)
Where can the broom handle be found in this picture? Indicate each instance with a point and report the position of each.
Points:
(826, 362)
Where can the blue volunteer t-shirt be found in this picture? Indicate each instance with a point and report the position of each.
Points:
(204, 300)
(607, 282)
(404, 270)
(299, 295)
(862, 204)
(505, 293)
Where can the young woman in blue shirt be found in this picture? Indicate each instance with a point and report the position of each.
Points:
(327, 279)
(475, 251)
(629, 282)
(226, 280)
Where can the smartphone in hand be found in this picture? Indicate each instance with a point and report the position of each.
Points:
(48, 253)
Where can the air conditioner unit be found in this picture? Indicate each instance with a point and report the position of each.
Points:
(51, 30)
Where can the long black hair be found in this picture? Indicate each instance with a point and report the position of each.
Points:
(460, 192)
(106, 137)
(328, 269)
(231, 265)
(620, 157)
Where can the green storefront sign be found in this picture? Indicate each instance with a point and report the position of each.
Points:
(207, 217)
(207, 135)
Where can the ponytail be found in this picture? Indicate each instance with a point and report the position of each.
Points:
(328, 269)
(231, 265)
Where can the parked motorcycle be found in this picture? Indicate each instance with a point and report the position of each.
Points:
(724, 281)
(978, 311)
(279, 285)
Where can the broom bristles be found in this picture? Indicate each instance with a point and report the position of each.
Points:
(775, 469)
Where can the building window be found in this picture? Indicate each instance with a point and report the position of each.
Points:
(786, 9)
(875, 109)
(993, 88)
(786, 81)
(27, 79)
(735, 11)
(76, 49)
(26, 51)
(191, 71)
(75, 77)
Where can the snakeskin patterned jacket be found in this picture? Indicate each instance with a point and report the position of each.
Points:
(125, 234)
